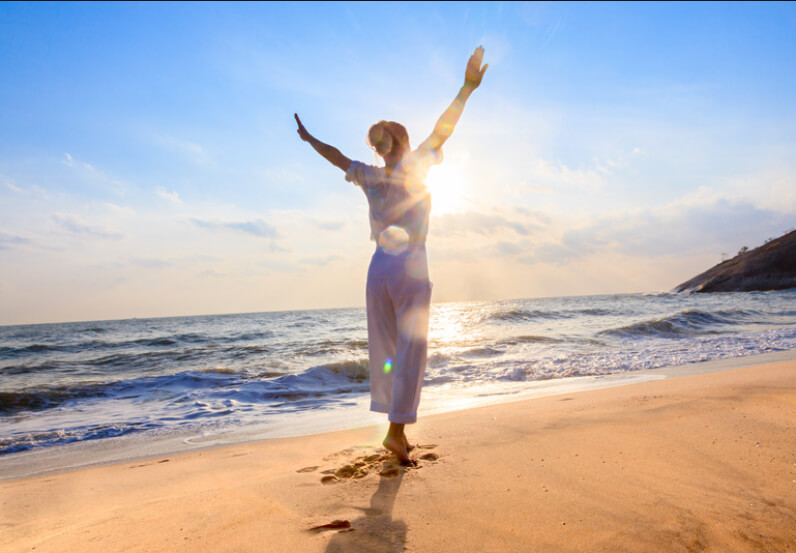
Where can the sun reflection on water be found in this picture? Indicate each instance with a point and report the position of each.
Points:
(450, 325)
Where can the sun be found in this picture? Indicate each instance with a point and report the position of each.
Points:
(447, 184)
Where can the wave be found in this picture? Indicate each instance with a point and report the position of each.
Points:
(37, 400)
(354, 369)
(594, 312)
(523, 315)
(326, 347)
(50, 397)
(518, 315)
(147, 359)
(686, 323)
(326, 379)
(482, 351)
(157, 343)
(9, 352)
(514, 340)
(31, 440)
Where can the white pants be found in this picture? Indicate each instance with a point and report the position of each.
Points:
(397, 306)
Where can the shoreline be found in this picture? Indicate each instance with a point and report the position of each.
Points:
(107, 451)
(701, 462)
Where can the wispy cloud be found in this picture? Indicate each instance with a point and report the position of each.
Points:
(8, 183)
(283, 175)
(119, 209)
(773, 188)
(88, 175)
(557, 175)
(211, 273)
(472, 222)
(172, 196)
(320, 261)
(328, 225)
(8, 240)
(69, 161)
(76, 225)
(151, 263)
(187, 149)
(256, 227)
(676, 229)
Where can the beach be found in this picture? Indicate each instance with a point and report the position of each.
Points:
(238, 238)
(704, 462)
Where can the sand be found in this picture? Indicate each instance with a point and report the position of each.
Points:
(695, 463)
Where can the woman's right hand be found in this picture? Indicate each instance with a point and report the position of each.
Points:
(302, 132)
(331, 153)
(474, 72)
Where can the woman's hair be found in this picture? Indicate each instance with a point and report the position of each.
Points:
(388, 136)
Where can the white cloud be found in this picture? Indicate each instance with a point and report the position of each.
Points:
(328, 224)
(11, 186)
(472, 222)
(255, 227)
(558, 174)
(85, 177)
(151, 263)
(320, 261)
(118, 209)
(186, 149)
(674, 230)
(7, 240)
(282, 176)
(69, 161)
(75, 225)
(172, 196)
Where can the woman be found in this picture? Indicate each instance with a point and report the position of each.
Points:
(398, 288)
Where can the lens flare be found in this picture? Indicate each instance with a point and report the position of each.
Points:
(394, 240)
(387, 366)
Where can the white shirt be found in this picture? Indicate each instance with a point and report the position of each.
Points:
(400, 199)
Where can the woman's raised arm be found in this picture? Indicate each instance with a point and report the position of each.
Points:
(447, 122)
(332, 154)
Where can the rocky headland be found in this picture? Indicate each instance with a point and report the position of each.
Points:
(771, 266)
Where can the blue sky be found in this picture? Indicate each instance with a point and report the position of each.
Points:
(149, 164)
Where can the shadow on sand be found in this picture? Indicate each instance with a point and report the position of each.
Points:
(376, 531)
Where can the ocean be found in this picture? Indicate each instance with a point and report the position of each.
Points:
(219, 374)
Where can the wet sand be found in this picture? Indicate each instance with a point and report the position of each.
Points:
(697, 463)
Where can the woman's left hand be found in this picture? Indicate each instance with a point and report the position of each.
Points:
(474, 72)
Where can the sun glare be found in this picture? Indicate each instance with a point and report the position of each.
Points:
(446, 183)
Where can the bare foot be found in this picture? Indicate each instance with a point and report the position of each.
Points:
(398, 448)
(409, 447)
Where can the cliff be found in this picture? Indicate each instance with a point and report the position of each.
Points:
(772, 266)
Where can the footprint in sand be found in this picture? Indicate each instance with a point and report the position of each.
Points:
(382, 462)
(334, 525)
(148, 464)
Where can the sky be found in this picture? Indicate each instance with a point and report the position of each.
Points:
(150, 166)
